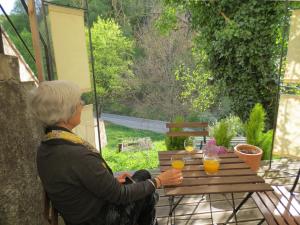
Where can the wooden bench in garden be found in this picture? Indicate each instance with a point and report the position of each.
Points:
(134, 144)
(279, 206)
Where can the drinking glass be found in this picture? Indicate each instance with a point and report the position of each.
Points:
(189, 144)
(177, 162)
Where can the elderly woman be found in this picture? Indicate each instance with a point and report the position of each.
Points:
(77, 180)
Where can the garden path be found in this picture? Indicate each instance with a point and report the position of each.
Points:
(135, 122)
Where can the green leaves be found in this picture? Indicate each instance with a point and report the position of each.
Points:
(241, 48)
(255, 125)
(113, 58)
(168, 19)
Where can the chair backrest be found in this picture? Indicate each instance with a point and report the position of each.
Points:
(187, 133)
(296, 181)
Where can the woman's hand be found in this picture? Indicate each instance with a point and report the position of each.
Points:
(170, 177)
(121, 178)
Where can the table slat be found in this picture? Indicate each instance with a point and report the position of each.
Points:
(200, 167)
(167, 155)
(216, 189)
(221, 180)
(221, 173)
(199, 161)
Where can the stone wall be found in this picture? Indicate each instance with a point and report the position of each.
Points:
(20, 189)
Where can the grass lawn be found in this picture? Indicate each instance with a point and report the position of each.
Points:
(127, 161)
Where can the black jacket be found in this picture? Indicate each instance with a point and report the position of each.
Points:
(79, 182)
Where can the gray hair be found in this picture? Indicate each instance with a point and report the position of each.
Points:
(54, 101)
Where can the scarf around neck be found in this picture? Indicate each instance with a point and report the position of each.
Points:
(68, 136)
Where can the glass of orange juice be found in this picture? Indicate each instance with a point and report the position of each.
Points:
(177, 162)
(211, 165)
(189, 145)
(211, 161)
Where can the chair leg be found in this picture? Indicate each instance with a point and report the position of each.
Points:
(296, 182)
(260, 222)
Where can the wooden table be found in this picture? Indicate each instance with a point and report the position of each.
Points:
(234, 176)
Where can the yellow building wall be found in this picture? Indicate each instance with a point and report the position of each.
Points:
(287, 135)
(292, 74)
(69, 45)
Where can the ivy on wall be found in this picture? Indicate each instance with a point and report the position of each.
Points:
(241, 42)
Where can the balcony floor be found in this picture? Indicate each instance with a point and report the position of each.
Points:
(194, 210)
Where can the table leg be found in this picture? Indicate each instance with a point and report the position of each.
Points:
(235, 210)
(211, 215)
(233, 206)
(172, 208)
(202, 198)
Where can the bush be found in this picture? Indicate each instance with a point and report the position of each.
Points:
(236, 125)
(222, 133)
(254, 129)
(266, 144)
(175, 143)
(255, 125)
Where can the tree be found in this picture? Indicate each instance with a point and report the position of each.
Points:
(158, 94)
(113, 59)
(241, 47)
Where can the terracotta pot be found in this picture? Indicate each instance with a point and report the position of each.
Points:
(253, 160)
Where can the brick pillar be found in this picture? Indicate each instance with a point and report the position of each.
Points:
(20, 189)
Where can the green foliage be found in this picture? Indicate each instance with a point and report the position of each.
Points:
(235, 125)
(266, 144)
(241, 48)
(127, 161)
(168, 19)
(175, 143)
(113, 58)
(255, 125)
(222, 133)
(196, 89)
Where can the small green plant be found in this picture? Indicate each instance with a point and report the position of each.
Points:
(235, 125)
(266, 144)
(254, 129)
(175, 143)
(255, 125)
(222, 133)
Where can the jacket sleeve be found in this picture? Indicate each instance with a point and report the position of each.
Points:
(92, 173)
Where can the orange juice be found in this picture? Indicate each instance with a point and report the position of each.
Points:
(189, 148)
(178, 164)
(211, 166)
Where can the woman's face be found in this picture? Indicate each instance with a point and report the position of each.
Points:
(75, 119)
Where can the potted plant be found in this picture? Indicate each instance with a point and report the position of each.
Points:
(251, 152)
(222, 135)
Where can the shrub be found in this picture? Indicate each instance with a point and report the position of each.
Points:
(236, 125)
(254, 129)
(222, 133)
(175, 143)
(266, 144)
(255, 125)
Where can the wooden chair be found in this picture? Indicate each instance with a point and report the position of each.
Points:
(279, 206)
(50, 213)
(187, 133)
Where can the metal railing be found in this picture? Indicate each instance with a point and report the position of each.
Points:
(16, 31)
(49, 71)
